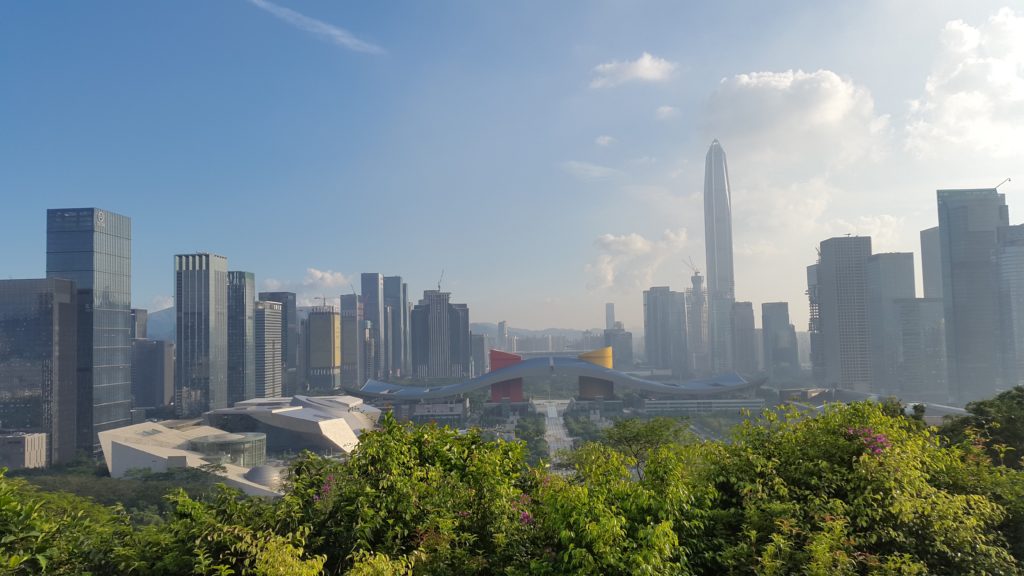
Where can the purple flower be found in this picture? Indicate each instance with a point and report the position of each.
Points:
(525, 518)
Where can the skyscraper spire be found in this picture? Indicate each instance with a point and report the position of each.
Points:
(718, 242)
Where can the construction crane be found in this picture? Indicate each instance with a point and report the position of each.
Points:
(1003, 182)
(440, 279)
(693, 267)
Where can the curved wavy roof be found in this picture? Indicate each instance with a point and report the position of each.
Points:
(702, 388)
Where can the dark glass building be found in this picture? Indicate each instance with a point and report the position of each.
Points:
(241, 336)
(665, 344)
(440, 337)
(352, 340)
(38, 362)
(152, 373)
(289, 339)
(372, 285)
(396, 300)
(201, 313)
(92, 248)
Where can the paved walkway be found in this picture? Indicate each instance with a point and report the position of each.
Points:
(554, 427)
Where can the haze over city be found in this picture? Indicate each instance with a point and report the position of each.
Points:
(548, 159)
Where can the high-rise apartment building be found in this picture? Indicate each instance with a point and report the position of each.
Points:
(396, 302)
(842, 312)
(968, 221)
(323, 348)
(721, 289)
(931, 262)
(201, 342)
(290, 374)
(665, 330)
(781, 358)
(152, 373)
(744, 338)
(268, 352)
(241, 336)
(92, 248)
(372, 293)
(889, 277)
(440, 337)
(38, 362)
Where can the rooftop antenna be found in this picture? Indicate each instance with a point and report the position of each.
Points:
(1001, 183)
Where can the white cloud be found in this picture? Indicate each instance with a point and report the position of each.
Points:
(646, 68)
(588, 171)
(629, 262)
(665, 112)
(329, 32)
(973, 100)
(604, 140)
(316, 284)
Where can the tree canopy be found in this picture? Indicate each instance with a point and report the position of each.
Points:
(851, 490)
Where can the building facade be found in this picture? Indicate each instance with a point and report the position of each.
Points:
(92, 248)
(352, 367)
(241, 336)
(890, 277)
(968, 223)
(922, 351)
(152, 373)
(842, 313)
(396, 304)
(744, 338)
(38, 363)
(665, 330)
(139, 327)
(269, 349)
(721, 284)
(440, 337)
(372, 292)
(781, 356)
(289, 339)
(931, 262)
(201, 341)
(323, 348)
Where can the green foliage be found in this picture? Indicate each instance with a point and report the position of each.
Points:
(997, 422)
(582, 428)
(530, 429)
(859, 489)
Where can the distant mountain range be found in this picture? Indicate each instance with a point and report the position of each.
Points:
(161, 325)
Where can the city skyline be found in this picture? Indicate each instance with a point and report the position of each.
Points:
(618, 172)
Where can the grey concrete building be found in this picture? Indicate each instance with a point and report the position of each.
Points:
(152, 373)
(290, 374)
(353, 369)
(440, 337)
(842, 311)
(931, 262)
(781, 360)
(201, 341)
(372, 292)
(921, 364)
(92, 248)
(139, 327)
(323, 348)
(744, 338)
(398, 337)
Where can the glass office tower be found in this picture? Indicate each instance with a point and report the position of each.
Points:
(38, 351)
(201, 313)
(241, 336)
(92, 248)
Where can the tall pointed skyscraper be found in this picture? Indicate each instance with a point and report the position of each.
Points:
(721, 291)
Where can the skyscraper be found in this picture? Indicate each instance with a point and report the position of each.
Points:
(744, 338)
(440, 337)
(289, 339)
(718, 244)
(241, 336)
(323, 348)
(372, 285)
(890, 277)
(697, 326)
(352, 339)
(269, 365)
(922, 350)
(503, 339)
(38, 362)
(609, 316)
(781, 361)
(1010, 268)
(201, 314)
(622, 347)
(152, 373)
(931, 262)
(396, 298)
(843, 312)
(968, 221)
(92, 248)
(139, 323)
(665, 330)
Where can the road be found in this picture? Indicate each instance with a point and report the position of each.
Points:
(554, 427)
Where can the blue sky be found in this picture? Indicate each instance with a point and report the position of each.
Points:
(548, 156)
